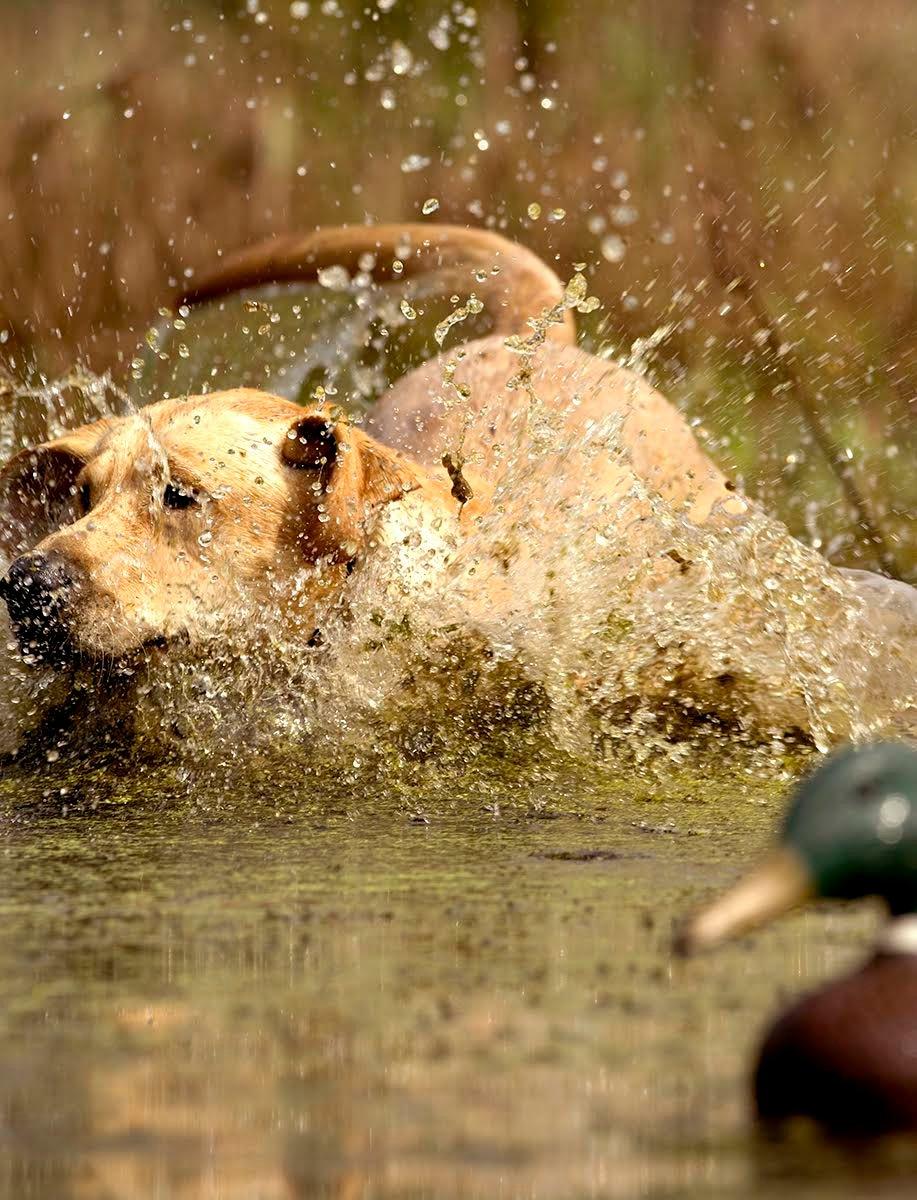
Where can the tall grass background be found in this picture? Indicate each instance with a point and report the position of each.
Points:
(740, 175)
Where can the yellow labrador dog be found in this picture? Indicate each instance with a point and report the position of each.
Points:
(149, 527)
(129, 530)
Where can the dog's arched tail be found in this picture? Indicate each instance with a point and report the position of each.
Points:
(512, 284)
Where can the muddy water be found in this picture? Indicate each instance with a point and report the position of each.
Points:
(304, 991)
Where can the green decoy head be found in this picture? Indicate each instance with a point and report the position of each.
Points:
(850, 831)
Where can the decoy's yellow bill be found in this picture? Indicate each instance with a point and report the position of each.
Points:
(779, 884)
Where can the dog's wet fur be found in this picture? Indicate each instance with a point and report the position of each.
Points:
(138, 529)
(193, 512)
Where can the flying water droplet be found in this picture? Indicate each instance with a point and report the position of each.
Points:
(402, 58)
(334, 278)
(414, 162)
(613, 248)
(575, 291)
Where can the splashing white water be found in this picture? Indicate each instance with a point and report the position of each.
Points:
(616, 622)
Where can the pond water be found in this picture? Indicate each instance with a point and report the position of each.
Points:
(302, 989)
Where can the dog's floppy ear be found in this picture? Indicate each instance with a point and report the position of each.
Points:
(345, 476)
(312, 443)
(37, 484)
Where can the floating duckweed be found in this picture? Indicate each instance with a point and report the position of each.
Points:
(534, 211)
(407, 311)
(183, 351)
(430, 206)
(557, 214)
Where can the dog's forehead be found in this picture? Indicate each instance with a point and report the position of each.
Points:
(220, 414)
(128, 445)
(220, 429)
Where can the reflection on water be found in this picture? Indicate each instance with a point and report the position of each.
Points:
(357, 994)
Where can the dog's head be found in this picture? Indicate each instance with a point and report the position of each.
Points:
(146, 527)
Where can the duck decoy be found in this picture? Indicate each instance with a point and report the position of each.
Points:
(846, 1054)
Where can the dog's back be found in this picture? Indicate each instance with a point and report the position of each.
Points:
(485, 402)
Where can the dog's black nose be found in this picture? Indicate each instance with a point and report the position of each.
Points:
(37, 588)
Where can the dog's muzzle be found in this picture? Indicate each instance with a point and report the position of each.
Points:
(38, 589)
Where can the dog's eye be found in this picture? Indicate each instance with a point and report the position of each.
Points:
(85, 497)
(175, 496)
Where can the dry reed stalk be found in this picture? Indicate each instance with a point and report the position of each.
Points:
(733, 266)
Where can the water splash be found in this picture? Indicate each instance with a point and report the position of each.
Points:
(624, 627)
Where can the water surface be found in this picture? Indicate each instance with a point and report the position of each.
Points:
(397, 990)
